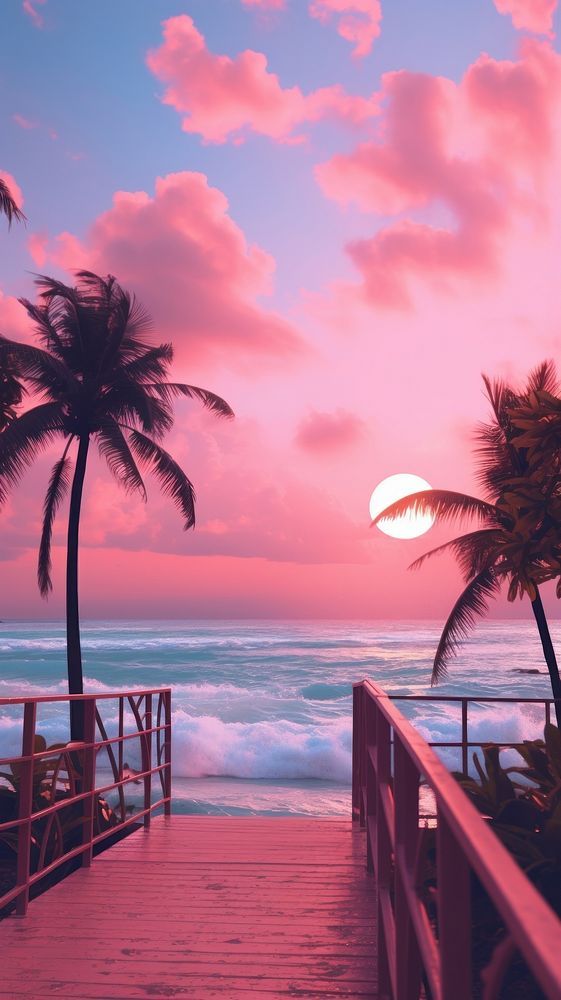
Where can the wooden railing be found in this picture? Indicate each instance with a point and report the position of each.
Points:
(418, 950)
(56, 798)
(464, 743)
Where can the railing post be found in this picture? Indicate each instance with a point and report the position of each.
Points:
(465, 737)
(406, 799)
(358, 739)
(88, 781)
(148, 760)
(382, 849)
(25, 806)
(167, 754)
(454, 914)
(370, 797)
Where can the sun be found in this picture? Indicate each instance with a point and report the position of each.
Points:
(394, 488)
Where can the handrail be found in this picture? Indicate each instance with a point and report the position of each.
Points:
(465, 701)
(48, 783)
(390, 758)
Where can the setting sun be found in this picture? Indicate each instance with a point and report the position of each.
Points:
(394, 488)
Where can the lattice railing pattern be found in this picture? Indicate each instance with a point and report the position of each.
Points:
(55, 801)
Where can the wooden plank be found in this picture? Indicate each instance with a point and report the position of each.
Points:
(205, 907)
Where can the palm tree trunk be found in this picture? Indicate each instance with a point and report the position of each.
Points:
(549, 653)
(73, 648)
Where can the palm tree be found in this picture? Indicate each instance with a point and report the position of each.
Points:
(519, 536)
(98, 378)
(8, 205)
(11, 391)
(11, 395)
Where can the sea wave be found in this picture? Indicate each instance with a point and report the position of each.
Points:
(205, 746)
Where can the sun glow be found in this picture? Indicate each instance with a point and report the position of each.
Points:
(394, 488)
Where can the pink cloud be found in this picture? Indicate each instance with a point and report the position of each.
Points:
(221, 97)
(191, 265)
(30, 8)
(37, 246)
(529, 15)
(324, 433)
(13, 319)
(359, 21)
(245, 510)
(441, 152)
(13, 187)
(24, 123)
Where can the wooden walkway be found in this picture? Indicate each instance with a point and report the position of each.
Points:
(204, 907)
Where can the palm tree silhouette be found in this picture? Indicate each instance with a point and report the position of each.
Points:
(99, 378)
(11, 391)
(519, 538)
(8, 204)
(11, 395)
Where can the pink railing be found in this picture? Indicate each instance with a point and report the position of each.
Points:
(464, 743)
(59, 806)
(418, 951)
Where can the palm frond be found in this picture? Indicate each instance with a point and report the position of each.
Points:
(9, 206)
(172, 479)
(497, 458)
(130, 402)
(471, 605)
(45, 328)
(543, 378)
(443, 505)
(23, 437)
(116, 452)
(58, 487)
(475, 551)
(46, 373)
(152, 364)
(11, 395)
(217, 405)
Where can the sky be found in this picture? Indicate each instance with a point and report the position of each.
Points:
(341, 213)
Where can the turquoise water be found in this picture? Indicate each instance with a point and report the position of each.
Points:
(262, 710)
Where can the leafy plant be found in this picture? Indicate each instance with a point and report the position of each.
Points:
(55, 777)
(522, 803)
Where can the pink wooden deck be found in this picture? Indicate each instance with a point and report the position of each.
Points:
(204, 907)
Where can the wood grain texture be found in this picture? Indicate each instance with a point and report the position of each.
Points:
(204, 907)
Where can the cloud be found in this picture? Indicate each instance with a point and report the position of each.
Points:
(220, 97)
(14, 323)
(30, 8)
(13, 187)
(37, 245)
(191, 265)
(358, 21)
(23, 122)
(529, 15)
(441, 154)
(244, 507)
(325, 433)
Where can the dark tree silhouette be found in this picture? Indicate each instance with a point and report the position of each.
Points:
(8, 205)
(11, 391)
(11, 395)
(519, 537)
(98, 378)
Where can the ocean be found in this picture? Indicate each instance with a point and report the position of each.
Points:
(262, 709)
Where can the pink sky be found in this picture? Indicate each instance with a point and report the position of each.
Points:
(438, 259)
